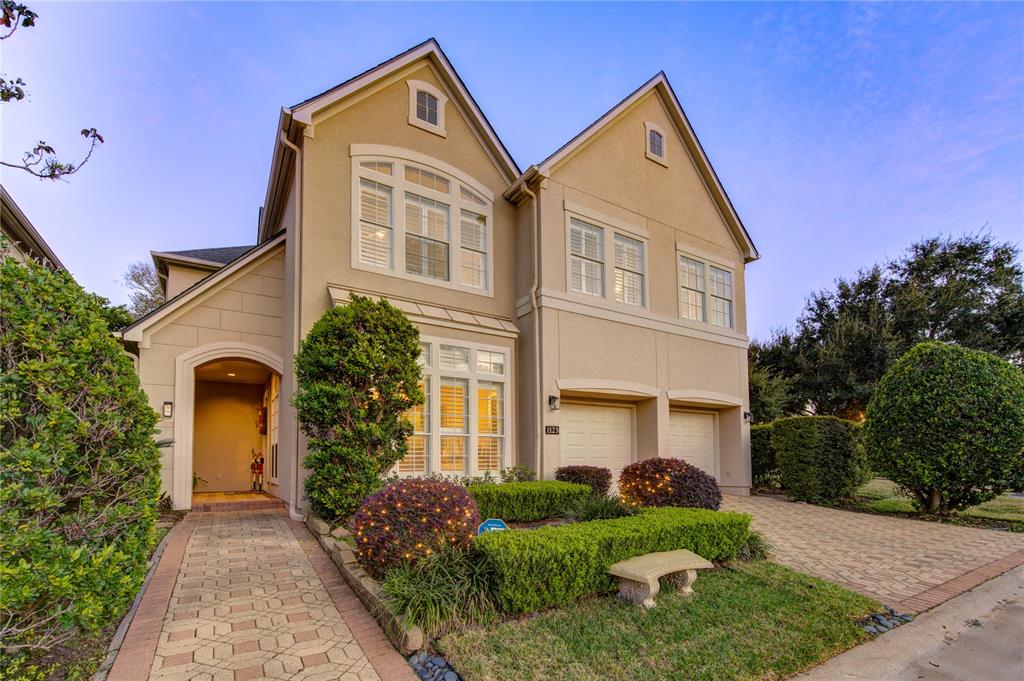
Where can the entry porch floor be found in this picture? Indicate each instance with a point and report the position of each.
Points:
(206, 502)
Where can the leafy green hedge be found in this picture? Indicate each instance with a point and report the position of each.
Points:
(820, 458)
(79, 470)
(762, 454)
(556, 565)
(527, 501)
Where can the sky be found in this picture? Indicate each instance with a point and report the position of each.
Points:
(842, 132)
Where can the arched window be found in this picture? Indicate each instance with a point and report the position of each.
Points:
(417, 218)
(426, 107)
(655, 147)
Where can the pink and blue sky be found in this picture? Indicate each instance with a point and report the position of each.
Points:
(842, 132)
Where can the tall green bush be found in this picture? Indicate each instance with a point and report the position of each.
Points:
(947, 423)
(79, 470)
(762, 455)
(819, 457)
(357, 377)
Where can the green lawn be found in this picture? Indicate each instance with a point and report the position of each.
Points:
(882, 496)
(750, 621)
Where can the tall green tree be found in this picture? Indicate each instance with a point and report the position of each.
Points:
(966, 290)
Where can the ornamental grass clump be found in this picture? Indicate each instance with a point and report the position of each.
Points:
(668, 482)
(412, 519)
(79, 470)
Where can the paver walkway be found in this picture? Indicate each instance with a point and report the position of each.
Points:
(250, 595)
(911, 565)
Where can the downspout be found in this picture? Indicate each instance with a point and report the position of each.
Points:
(534, 287)
(296, 238)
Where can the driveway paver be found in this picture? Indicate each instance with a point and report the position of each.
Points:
(252, 599)
(911, 565)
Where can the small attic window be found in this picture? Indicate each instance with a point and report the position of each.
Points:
(654, 143)
(426, 107)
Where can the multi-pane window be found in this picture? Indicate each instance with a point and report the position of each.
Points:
(465, 433)
(426, 107)
(418, 222)
(629, 270)
(586, 257)
(656, 143)
(721, 296)
(691, 288)
(375, 223)
(473, 236)
(426, 237)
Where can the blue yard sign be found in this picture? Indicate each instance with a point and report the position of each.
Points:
(492, 525)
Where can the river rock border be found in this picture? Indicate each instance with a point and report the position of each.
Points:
(406, 639)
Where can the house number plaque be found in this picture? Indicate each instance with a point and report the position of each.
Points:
(551, 430)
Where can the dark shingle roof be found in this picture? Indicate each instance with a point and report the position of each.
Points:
(222, 255)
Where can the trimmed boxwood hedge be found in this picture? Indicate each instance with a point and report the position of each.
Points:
(556, 565)
(527, 501)
(762, 454)
(820, 458)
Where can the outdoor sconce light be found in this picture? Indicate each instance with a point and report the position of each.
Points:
(168, 409)
(554, 402)
(748, 417)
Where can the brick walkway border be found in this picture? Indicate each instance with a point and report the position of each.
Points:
(390, 666)
(135, 657)
(943, 592)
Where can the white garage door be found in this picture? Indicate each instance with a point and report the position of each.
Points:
(691, 437)
(597, 436)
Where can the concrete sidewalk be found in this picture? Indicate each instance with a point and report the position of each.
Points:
(977, 636)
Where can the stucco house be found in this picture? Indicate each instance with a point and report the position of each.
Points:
(587, 310)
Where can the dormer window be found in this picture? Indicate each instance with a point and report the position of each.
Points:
(654, 143)
(426, 107)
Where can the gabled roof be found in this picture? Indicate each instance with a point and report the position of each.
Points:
(134, 332)
(222, 255)
(17, 227)
(659, 83)
(293, 119)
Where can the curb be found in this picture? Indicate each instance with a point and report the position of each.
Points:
(122, 629)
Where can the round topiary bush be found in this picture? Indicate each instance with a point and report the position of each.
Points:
(668, 482)
(820, 458)
(357, 379)
(79, 470)
(598, 479)
(947, 424)
(409, 519)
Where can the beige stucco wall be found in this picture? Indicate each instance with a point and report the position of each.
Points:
(649, 349)
(225, 433)
(246, 308)
(180, 278)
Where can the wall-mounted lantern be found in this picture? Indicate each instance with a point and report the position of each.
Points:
(748, 417)
(554, 402)
(168, 410)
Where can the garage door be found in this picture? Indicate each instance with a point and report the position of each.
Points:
(691, 437)
(597, 436)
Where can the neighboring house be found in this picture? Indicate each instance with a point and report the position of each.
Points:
(178, 270)
(589, 310)
(25, 241)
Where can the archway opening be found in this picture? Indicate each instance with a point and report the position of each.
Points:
(236, 415)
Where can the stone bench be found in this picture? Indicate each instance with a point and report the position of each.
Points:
(638, 577)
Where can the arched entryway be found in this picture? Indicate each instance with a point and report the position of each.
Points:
(229, 404)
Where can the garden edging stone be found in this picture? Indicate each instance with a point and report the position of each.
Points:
(406, 639)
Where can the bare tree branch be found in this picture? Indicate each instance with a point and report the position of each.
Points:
(43, 163)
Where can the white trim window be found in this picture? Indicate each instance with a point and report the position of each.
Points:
(468, 431)
(427, 107)
(721, 297)
(691, 288)
(586, 258)
(629, 270)
(419, 222)
(655, 143)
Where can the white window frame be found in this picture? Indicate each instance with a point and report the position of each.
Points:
(432, 369)
(708, 262)
(648, 128)
(731, 299)
(416, 86)
(609, 229)
(400, 158)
